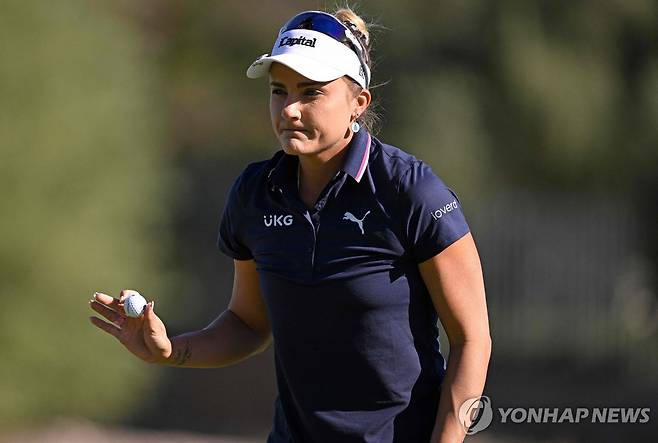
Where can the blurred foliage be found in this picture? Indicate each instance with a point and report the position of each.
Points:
(102, 101)
(541, 93)
(84, 186)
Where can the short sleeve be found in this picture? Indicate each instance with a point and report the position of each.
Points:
(229, 238)
(431, 213)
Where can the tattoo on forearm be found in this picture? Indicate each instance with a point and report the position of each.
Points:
(183, 354)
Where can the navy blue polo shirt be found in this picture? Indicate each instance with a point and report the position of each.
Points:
(355, 332)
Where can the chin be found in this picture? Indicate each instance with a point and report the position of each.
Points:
(294, 146)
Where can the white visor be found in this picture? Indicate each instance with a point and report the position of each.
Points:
(312, 54)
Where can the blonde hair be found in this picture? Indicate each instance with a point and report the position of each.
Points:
(369, 119)
(346, 14)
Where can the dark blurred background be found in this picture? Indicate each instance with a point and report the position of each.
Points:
(124, 123)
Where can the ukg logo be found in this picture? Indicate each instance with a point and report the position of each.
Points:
(277, 220)
(475, 414)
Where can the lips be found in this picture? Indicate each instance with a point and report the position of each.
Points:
(293, 132)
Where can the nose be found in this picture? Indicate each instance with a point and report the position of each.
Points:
(291, 109)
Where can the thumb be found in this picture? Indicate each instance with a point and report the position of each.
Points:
(155, 334)
(152, 327)
(149, 314)
(152, 323)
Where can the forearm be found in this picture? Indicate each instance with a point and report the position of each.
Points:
(225, 341)
(465, 377)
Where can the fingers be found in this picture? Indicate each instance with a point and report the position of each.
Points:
(126, 293)
(111, 329)
(111, 315)
(108, 301)
(113, 309)
(115, 303)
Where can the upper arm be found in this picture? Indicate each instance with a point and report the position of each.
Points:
(246, 299)
(454, 280)
(231, 236)
(431, 214)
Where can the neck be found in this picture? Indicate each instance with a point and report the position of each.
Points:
(316, 170)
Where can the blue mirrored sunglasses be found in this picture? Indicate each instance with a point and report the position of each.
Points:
(334, 28)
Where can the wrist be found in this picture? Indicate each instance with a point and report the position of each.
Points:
(180, 351)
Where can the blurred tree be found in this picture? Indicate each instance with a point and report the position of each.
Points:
(575, 105)
(521, 94)
(83, 181)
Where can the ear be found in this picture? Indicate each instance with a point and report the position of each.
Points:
(362, 100)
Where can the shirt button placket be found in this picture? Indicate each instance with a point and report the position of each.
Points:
(311, 243)
(316, 227)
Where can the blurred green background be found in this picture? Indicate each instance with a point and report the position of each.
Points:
(123, 124)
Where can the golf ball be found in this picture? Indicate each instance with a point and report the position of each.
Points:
(134, 305)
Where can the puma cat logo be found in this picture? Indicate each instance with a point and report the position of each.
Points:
(349, 216)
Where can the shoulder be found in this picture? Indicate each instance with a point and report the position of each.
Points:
(255, 174)
(403, 169)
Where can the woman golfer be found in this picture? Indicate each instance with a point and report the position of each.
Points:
(345, 250)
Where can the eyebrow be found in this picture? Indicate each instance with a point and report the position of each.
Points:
(299, 85)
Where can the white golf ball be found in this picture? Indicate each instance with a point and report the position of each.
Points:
(134, 305)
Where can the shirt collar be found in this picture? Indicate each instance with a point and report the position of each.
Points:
(358, 155)
(285, 169)
(356, 161)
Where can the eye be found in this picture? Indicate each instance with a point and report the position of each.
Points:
(312, 92)
(278, 91)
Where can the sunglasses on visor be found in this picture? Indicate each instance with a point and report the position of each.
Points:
(329, 25)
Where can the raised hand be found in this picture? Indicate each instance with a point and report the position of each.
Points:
(144, 336)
